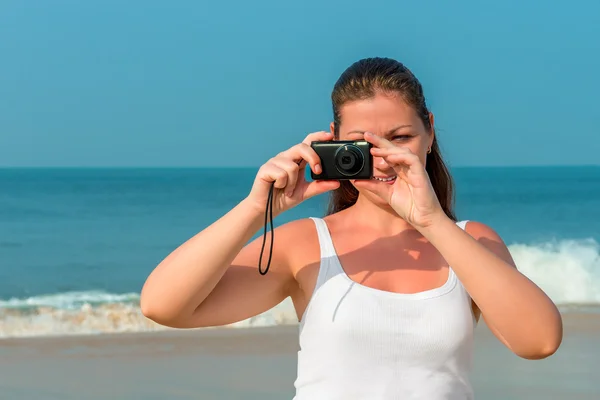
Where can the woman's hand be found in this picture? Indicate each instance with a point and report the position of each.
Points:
(287, 171)
(411, 195)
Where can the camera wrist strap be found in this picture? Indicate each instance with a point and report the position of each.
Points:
(269, 215)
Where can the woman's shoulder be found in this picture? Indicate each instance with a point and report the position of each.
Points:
(296, 226)
(297, 242)
(489, 238)
(479, 230)
(295, 233)
(308, 226)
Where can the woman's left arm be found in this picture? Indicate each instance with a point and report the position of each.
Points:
(515, 309)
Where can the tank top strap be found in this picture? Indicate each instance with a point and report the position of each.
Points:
(325, 242)
(462, 224)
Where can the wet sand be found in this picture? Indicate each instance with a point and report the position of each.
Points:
(260, 363)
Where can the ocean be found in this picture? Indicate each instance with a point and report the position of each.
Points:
(77, 244)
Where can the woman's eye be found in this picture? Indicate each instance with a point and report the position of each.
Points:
(401, 137)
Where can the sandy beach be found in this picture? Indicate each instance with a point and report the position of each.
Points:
(260, 363)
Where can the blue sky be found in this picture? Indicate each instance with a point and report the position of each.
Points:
(185, 83)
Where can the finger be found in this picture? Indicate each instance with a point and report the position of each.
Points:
(303, 152)
(398, 158)
(317, 136)
(383, 151)
(272, 173)
(291, 168)
(315, 188)
(378, 141)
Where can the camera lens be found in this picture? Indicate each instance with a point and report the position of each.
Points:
(349, 160)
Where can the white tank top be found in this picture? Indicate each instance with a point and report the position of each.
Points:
(358, 342)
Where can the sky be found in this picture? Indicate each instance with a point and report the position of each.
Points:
(188, 83)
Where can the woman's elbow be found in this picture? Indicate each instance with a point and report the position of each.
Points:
(163, 312)
(155, 308)
(544, 346)
(152, 310)
(539, 353)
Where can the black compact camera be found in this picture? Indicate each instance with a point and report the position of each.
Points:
(343, 159)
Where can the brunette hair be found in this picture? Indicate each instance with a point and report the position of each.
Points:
(361, 81)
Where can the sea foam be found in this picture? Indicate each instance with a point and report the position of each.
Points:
(568, 271)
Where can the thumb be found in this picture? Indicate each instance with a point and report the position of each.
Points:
(318, 187)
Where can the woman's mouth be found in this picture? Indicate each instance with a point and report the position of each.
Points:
(388, 179)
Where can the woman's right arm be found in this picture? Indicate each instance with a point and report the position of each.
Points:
(213, 279)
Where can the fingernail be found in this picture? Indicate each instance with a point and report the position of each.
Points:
(317, 169)
(368, 134)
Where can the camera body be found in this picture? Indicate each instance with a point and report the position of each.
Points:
(343, 159)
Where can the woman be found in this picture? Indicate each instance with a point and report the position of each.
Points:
(388, 286)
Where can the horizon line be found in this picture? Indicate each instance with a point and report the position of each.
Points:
(258, 166)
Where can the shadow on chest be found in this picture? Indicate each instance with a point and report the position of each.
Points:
(406, 263)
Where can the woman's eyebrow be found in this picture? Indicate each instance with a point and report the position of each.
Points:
(391, 131)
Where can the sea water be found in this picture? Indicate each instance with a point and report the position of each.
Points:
(77, 244)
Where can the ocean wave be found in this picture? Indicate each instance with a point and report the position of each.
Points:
(23, 319)
(69, 300)
(568, 271)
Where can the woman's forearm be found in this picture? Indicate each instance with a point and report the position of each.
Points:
(518, 309)
(188, 275)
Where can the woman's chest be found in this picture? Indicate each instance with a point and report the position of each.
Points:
(393, 270)
(401, 326)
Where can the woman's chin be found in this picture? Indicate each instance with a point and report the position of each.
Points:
(373, 198)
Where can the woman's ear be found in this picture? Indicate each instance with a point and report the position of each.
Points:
(432, 129)
(432, 123)
(332, 128)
